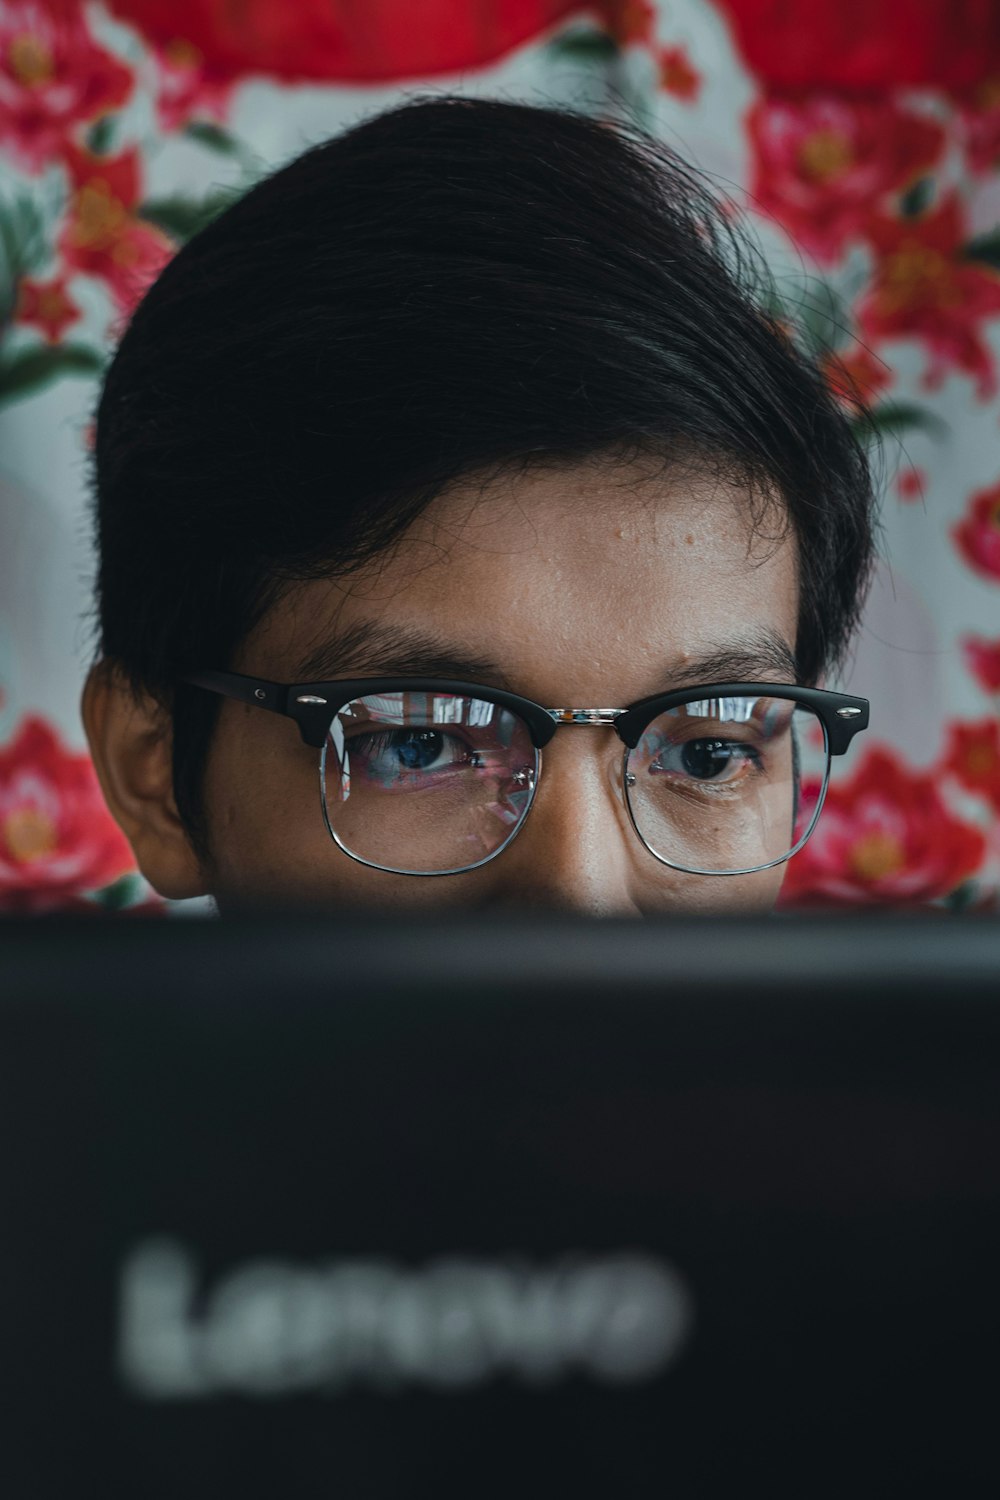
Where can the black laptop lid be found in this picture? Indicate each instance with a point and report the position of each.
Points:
(300, 1208)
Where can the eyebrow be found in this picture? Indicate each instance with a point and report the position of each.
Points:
(762, 656)
(368, 649)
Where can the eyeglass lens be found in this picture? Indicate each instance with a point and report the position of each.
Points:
(711, 785)
(434, 783)
(426, 783)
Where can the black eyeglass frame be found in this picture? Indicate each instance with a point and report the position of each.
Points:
(314, 705)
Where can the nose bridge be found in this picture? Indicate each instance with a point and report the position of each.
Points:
(578, 847)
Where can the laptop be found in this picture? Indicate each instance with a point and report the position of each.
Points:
(301, 1207)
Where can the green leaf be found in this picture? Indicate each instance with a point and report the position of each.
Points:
(584, 46)
(894, 417)
(985, 248)
(212, 136)
(963, 896)
(100, 135)
(120, 894)
(20, 374)
(23, 247)
(182, 217)
(918, 198)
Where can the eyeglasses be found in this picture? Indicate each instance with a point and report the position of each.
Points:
(424, 776)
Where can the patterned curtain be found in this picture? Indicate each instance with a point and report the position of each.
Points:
(863, 139)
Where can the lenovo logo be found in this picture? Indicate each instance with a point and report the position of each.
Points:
(269, 1328)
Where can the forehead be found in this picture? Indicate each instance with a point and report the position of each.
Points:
(582, 580)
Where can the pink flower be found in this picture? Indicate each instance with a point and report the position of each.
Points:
(46, 305)
(57, 838)
(884, 836)
(973, 758)
(977, 536)
(102, 236)
(822, 164)
(924, 288)
(982, 658)
(53, 78)
(189, 86)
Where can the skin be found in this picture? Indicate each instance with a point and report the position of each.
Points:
(587, 585)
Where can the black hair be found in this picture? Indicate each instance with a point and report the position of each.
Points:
(452, 287)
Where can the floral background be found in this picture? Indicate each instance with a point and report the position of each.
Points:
(863, 139)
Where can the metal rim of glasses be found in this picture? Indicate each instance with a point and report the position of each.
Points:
(725, 874)
(455, 870)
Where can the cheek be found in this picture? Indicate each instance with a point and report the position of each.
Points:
(738, 894)
(751, 893)
(262, 805)
(269, 842)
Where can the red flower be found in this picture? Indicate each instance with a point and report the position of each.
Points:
(53, 77)
(677, 75)
(188, 86)
(979, 112)
(978, 535)
(855, 44)
(822, 163)
(102, 236)
(911, 484)
(973, 758)
(57, 838)
(326, 40)
(46, 305)
(922, 287)
(983, 660)
(883, 836)
(856, 377)
(630, 21)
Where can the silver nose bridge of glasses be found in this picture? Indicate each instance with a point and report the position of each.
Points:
(602, 717)
(584, 715)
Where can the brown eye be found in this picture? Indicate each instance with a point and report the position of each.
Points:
(705, 759)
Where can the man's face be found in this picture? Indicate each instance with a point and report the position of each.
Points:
(582, 586)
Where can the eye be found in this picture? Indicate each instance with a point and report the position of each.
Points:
(390, 753)
(708, 759)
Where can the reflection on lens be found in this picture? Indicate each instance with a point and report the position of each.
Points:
(711, 785)
(426, 783)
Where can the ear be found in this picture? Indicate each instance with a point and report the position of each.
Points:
(131, 745)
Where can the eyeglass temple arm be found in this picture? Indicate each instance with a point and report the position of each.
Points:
(253, 690)
(309, 713)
